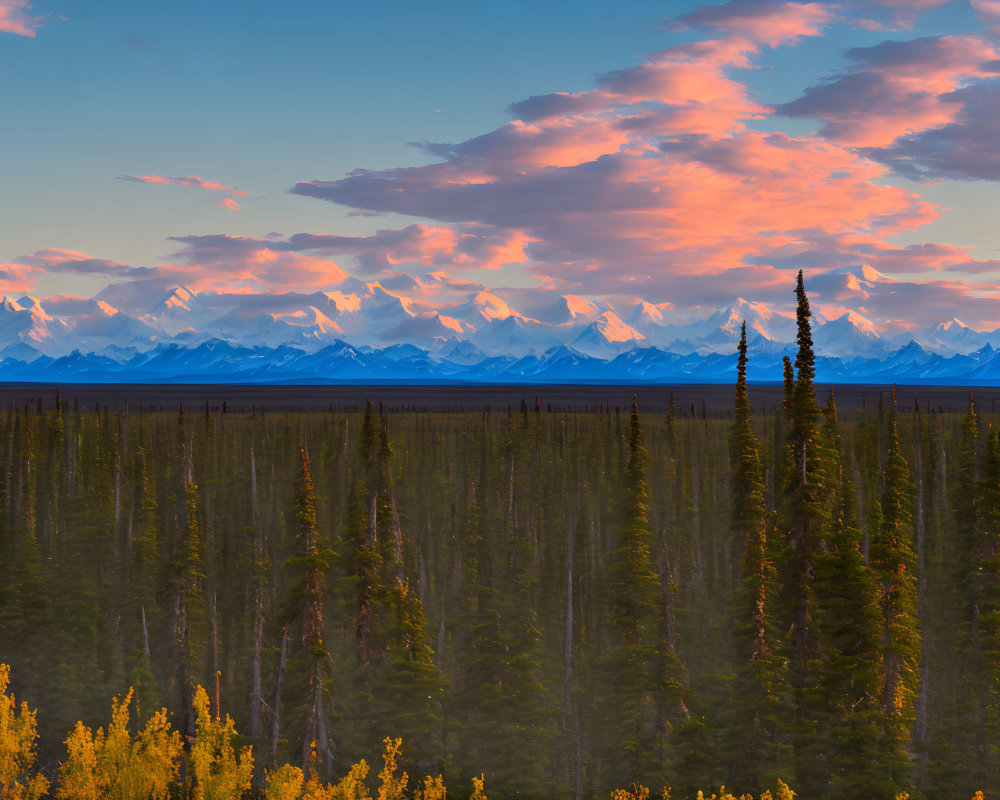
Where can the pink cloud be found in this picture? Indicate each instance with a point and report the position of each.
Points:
(189, 180)
(16, 277)
(223, 261)
(901, 13)
(462, 246)
(964, 149)
(840, 251)
(989, 12)
(14, 18)
(896, 88)
(227, 202)
(772, 22)
(680, 90)
(72, 261)
(652, 184)
(696, 204)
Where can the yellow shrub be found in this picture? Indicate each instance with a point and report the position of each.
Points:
(218, 773)
(17, 747)
(113, 765)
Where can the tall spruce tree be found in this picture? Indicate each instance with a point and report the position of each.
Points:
(893, 562)
(304, 620)
(646, 694)
(805, 517)
(806, 508)
(967, 501)
(843, 705)
(760, 703)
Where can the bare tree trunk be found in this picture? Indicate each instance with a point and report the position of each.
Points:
(122, 431)
(258, 638)
(669, 598)
(568, 635)
(258, 626)
(276, 727)
(213, 642)
(511, 521)
(441, 630)
(323, 734)
(397, 538)
(145, 637)
(568, 705)
(696, 539)
(920, 530)
(372, 520)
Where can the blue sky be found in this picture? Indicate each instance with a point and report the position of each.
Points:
(260, 99)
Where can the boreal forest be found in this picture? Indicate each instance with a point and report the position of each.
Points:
(547, 604)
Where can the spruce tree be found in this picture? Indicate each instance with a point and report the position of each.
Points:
(189, 612)
(303, 617)
(806, 508)
(843, 705)
(893, 562)
(759, 726)
(971, 549)
(646, 692)
(805, 518)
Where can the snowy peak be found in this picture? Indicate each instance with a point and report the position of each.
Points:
(482, 307)
(952, 325)
(179, 297)
(648, 317)
(607, 335)
(568, 309)
(770, 324)
(614, 330)
(380, 297)
(426, 329)
(862, 272)
(869, 273)
(847, 318)
(344, 303)
(311, 317)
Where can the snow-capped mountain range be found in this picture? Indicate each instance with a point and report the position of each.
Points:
(373, 331)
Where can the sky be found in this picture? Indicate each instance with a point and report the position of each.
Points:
(681, 153)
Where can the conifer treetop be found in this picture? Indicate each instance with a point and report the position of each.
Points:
(805, 360)
(742, 399)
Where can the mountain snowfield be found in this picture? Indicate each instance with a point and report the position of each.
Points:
(391, 330)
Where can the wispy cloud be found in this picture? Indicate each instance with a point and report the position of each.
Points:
(15, 18)
(188, 180)
(772, 22)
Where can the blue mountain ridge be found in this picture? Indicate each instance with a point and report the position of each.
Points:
(217, 361)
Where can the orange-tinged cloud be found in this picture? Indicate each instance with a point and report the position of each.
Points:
(14, 18)
(228, 202)
(188, 180)
(242, 262)
(16, 277)
(775, 23)
(895, 88)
